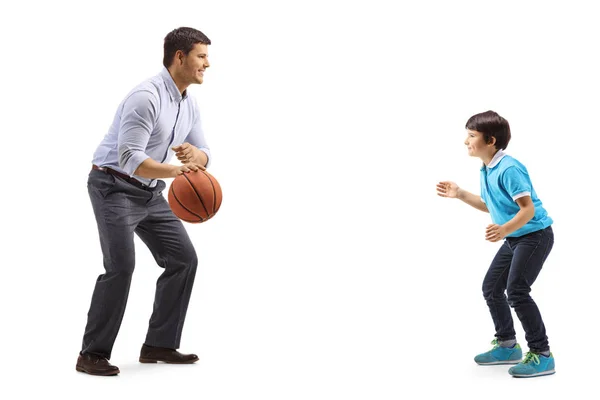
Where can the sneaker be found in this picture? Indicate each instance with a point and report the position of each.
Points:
(533, 365)
(500, 355)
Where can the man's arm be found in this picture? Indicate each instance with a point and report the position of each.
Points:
(194, 149)
(137, 123)
(151, 169)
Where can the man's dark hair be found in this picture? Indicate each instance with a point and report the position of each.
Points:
(182, 39)
(490, 124)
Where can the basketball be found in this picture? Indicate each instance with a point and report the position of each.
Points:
(195, 196)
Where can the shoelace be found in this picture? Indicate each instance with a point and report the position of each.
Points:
(529, 357)
(96, 359)
(495, 343)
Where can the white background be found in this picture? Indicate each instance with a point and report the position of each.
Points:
(332, 270)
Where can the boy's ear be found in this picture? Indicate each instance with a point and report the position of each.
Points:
(492, 140)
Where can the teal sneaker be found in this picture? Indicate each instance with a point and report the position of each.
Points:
(500, 355)
(533, 365)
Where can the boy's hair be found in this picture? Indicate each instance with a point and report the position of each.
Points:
(490, 124)
(182, 39)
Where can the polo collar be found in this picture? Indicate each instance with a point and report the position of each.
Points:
(496, 159)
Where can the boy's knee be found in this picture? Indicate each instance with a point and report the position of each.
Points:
(517, 297)
(488, 291)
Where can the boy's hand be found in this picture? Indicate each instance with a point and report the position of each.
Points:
(494, 233)
(447, 189)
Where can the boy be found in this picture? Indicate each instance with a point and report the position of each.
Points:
(518, 218)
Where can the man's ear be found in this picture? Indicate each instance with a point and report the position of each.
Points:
(179, 56)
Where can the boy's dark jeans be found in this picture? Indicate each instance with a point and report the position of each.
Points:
(514, 269)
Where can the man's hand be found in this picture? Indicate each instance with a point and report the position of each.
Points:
(187, 153)
(187, 168)
(494, 233)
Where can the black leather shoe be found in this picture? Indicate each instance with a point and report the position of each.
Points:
(95, 365)
(150, 354)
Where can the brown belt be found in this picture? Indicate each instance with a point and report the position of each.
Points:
(129, 179)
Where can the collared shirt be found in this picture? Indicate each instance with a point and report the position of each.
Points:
(153, 118)
(503, 181)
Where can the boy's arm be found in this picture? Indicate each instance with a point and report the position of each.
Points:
(451, 190)
(517, 184)
(472, 200)
(494, 232)
(526, 212)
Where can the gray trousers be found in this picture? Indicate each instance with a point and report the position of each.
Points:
(122, 209)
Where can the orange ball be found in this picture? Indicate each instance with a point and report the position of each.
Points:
(195, 196)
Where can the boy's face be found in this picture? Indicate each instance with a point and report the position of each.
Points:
(476, 145)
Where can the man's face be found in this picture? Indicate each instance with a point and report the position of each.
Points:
(195, 63)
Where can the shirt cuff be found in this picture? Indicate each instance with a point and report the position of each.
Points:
(522, 194)
(133, 162)
(207, 152)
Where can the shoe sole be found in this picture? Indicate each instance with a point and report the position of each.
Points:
(508, 362)
(534, 375)
(106, 373)
(155, 361)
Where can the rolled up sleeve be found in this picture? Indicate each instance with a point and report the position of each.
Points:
(137, 123)
(197, 139)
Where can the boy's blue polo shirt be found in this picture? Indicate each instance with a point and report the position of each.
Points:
(503, 181)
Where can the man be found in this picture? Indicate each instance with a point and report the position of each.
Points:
(155, 120)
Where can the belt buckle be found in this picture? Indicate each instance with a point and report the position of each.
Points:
(136, 182)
